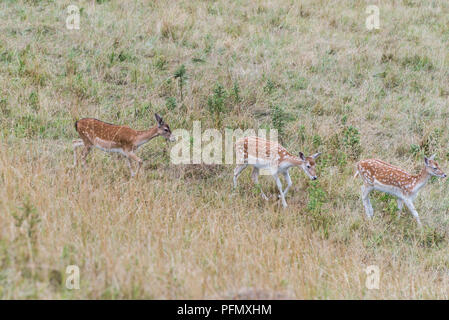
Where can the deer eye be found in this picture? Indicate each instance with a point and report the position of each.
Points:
(308, 166)
(166, 129)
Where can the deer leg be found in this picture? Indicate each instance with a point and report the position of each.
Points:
(76, 144)
(135, 158)
(128, 161)
(237, 171)
(85, 153)
(400, 206)
(366, 202)
(412, 210)
(279, 185)
(289, 182)
(255, 177)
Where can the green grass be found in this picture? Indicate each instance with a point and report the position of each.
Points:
(309, 69)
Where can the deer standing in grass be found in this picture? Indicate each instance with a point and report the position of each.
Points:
(381, 176)
(263, 154)
(115, 138)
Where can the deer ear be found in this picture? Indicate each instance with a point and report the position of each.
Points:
(159, 119)
(316, 155)
(301, 155)
(426, 161)
(432, 157)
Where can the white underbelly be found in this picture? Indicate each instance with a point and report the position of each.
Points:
(258, 163)
(107, 146)
(265, 166)
(115, 150)
(394, 191)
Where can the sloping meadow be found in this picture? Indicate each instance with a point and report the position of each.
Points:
(311, 70)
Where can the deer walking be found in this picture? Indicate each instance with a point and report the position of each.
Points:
(115, 138)
(263, 154)
(381, 176)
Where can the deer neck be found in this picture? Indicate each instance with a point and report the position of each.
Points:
(421, 179)
(291, 161)
(146, 135)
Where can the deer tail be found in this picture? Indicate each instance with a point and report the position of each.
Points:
(356, 171)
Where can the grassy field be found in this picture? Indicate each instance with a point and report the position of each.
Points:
(310, 69)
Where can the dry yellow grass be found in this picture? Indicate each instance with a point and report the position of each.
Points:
(311, 69)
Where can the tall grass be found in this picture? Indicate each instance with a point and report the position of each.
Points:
(310, 68)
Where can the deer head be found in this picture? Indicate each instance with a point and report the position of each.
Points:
(308, 164)
(163, 129)
(432, 167)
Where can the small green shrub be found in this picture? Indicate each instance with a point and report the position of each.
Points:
(170, 103)
(180, 74)
(278, 118)
(414, 149)
(351, 140)
(390, 202)
(235, 93)
(216, 103)
(269, 87)
(317, 197)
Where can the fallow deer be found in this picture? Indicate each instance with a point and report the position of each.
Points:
(381, 176)
(116, 138)
(263, 154)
